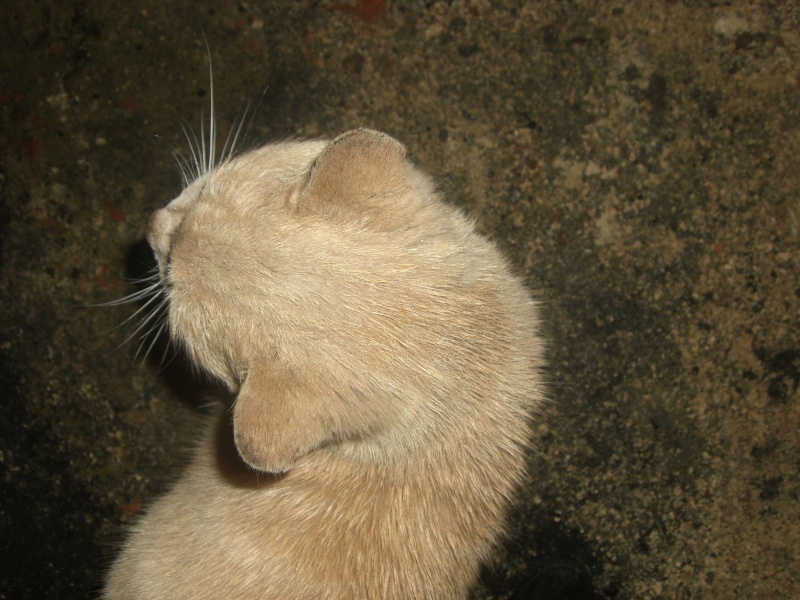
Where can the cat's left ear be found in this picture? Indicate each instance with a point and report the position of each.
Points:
(360, 168)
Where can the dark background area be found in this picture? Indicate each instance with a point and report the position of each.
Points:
(639, 164)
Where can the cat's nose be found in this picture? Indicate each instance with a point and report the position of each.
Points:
(157, 234)
(150, 225)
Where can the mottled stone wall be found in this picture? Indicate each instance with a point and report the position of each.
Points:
(637, 161)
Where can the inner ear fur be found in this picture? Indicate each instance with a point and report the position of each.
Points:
(359, 169)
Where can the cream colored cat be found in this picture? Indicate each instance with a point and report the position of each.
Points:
(384, 363)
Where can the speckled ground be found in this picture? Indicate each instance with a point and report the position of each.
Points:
(639, 163)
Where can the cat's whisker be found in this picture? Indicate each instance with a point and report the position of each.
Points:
(203, 150)
(227, 148)
(161, 364)
(194, 148)
(130, 298)
(153, 283)
(255, 110)
(183, 167)
(198, 152)
(144, 308)
(149, 322)
(154, 275)
(134, 335)
(151, 289)
(239, 128)
(119, 302)
(212, 127)
(155, 336)
(153, 333)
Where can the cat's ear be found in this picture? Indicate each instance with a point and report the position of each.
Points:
(360, 168)
(277, 419)
(282, 414)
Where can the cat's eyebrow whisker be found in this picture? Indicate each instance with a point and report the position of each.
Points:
(242, 129)
(203, 152)
(197, 153)
(194, 147)
(253, 113)
(181, 161)
(227, 151)
(183, 167)
(212, 129)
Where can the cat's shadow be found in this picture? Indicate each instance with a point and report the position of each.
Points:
(195, 390)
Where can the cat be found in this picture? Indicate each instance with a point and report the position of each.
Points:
(384, 365)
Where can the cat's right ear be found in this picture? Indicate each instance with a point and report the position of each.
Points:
(278, 417)
(360, 169)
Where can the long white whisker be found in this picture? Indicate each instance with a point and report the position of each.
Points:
(154, 331)
(255, 110)
(203, 151)
(182, 166)
(152, 343)
(194, 147)
(161, 365)
(133, 296)
(149, 323)
(227, 151)
(155, 275)
(142, 308)
(212, 128)
(155, 313)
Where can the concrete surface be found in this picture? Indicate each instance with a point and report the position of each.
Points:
(638, 161)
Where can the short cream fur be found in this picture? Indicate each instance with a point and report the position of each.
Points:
(385, 367)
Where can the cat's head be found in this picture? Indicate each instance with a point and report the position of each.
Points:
(329, 288)
(247, 247)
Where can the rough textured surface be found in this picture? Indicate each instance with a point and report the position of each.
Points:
(639, 164)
